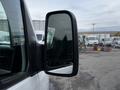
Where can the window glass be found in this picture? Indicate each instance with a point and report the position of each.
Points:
(4, 28)
(39, 36)
(12, 41)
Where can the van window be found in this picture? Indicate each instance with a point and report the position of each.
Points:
(5, 62)
(39, 36)
(4, 28)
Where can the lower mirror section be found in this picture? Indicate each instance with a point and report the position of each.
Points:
(63, 70)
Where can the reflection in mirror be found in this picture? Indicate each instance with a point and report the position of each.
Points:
(64, 70)
(4, 29)
(59, 44)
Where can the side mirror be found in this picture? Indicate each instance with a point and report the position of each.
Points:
(61, 44)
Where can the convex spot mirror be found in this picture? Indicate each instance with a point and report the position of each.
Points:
(61, 44)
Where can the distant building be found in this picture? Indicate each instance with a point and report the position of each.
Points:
(39, 25)
(4, 25)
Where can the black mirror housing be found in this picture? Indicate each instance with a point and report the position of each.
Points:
(61, 44)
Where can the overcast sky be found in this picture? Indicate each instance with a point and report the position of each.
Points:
(104, 13)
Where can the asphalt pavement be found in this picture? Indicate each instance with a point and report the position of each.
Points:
(98, 70)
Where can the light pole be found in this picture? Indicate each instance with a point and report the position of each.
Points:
(94, 26)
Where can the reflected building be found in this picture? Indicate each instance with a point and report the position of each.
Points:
(39, 25)
(3, 25)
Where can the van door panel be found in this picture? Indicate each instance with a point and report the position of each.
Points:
(37, 82)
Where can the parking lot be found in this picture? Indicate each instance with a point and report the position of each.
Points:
(98, 70)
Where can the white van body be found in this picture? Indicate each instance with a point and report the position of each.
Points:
(39, 81)
(91, 40)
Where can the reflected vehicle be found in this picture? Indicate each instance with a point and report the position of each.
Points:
(40, 36)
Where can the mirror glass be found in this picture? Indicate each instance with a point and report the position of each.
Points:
(59, 50)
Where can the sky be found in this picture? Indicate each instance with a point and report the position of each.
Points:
(104, 13)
